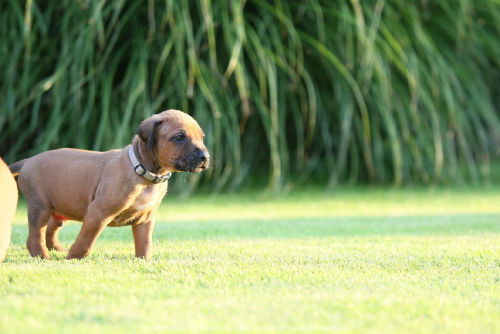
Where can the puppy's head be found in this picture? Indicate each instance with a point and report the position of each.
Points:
(176, 140)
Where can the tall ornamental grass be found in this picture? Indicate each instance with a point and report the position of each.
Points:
(391, 92)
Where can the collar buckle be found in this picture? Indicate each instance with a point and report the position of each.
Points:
(140, 170)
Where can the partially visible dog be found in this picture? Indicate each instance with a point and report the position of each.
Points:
(8, 205)
(114, 188)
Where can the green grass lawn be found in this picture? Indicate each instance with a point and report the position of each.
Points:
(365, 260)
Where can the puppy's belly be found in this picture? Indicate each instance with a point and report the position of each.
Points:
(69, 208)
(125, 218)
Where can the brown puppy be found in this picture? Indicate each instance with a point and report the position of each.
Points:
(8, 204)
(106, 188)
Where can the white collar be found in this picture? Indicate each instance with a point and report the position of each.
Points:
(139, 169)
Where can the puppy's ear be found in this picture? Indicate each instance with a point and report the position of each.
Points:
(147, 130)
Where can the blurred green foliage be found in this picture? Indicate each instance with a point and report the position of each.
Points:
(402, 92)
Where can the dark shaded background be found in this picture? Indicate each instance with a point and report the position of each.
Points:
(288, 92)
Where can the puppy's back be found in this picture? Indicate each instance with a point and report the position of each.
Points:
(67, 178)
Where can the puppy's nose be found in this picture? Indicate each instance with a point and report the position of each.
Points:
(204, 156)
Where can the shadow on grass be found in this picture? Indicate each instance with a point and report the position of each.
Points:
(476, 224)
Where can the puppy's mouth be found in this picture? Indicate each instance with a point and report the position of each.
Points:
(192, 164)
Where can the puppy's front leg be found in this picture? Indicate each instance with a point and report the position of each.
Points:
(143, 238)
(93, 224)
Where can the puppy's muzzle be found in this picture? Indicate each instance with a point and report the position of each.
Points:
(197, 161)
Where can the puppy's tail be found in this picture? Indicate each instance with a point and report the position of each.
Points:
(15, 168)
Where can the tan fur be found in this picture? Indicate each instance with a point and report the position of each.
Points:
(8, 204)
(102, 189)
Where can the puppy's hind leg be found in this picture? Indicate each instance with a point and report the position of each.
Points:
(38, 217)
(54, 226)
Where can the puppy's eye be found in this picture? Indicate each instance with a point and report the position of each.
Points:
(179, 138)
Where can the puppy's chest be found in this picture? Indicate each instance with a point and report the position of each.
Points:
(145, 203)
(140, 209)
